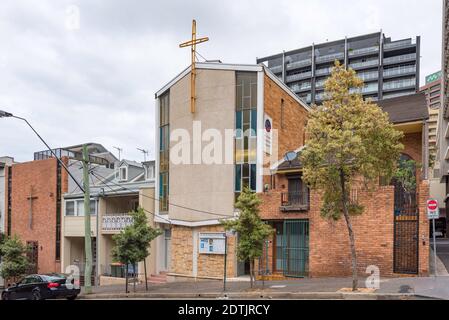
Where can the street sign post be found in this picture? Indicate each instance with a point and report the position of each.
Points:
(433, 212)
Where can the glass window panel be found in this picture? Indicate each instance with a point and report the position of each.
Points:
(252, 156)
(239, 97)
(246, 117)
(245, 171)
(253, 94)
(238, 177)
(70, 208)
(93, 207)
(247, 102)
(254, 122)
(80, 208)
(239, 150)
(253, 177)
(245, 182)
(238, 123)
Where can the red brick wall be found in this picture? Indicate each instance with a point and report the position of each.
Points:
(41, 175)
(291, 133)
(329, 253)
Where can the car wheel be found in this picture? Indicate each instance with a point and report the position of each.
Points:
(4, 296)
(72, 297)
(36, 295)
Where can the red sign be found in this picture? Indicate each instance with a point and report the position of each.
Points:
(432, 205)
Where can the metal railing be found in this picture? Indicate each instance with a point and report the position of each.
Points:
(116, 221)
(398, 44)
(297, 87)
(275, 69)
(368, 75)
(298, 64)
(399, 84)
(368, 63)
(362, 51)
(330, 57)
(323, 71)
(295, 200)
(299, 76)
(401, 58)
(399, 70)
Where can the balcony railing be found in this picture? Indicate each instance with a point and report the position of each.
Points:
(401, 58)
(398, 84)
(363, 64)
(324, 71)
(368, 75)
(275, 69)
(296, 88)
(399, 70)
(363, 51)
(116, 221)
(298, 64)
(330, 57)
(398, 44)
(299, 76)
(294, 201)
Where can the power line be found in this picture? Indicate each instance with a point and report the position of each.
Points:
(172, 204)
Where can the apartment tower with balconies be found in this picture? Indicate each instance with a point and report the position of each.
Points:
(389, 68)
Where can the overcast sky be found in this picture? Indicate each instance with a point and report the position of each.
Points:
(96, 83)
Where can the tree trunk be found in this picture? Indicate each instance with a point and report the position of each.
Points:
(350, 232)
(126, 279)
(146, 279)
(134, 277)
(251, 272)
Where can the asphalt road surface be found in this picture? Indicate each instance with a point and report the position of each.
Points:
(443, 251)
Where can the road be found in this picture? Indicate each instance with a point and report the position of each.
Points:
(443, 251)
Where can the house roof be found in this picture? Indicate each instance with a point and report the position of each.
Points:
(407, 108)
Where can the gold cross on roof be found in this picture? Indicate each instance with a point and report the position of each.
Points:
(192, 44)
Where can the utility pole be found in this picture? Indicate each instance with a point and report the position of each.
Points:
(145, 152)
(87, 228)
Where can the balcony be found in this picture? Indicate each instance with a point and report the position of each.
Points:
(399, 84)
(275, 69)
(330, 57)
(323, 72)
(115, 222)
(364, 64)
(400, 59)
(298, 76)
(294, 201)
(299, 64)
(302, 87)
(366, 76)
(361, 51)
(398, 71)
(398, 44)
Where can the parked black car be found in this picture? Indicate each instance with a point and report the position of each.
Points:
(40, 287)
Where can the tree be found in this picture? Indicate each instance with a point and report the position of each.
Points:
(15, 264)
(251, 229)
(350, 142)
(133, 243)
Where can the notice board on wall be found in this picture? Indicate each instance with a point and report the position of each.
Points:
(212, 243)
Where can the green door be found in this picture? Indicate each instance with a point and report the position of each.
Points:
(296, 248)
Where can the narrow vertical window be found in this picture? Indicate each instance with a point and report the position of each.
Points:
(164, 148)
(282, 113)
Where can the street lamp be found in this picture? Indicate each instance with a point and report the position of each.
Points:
(4, 114)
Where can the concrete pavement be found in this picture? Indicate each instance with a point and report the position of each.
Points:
(327, 288)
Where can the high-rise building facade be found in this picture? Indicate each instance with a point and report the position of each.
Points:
(389, 68)
(432, 89)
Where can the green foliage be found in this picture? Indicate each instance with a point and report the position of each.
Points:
(15, 264)
(133, 243)
(251, 229)
(406, 174)
(347, 137)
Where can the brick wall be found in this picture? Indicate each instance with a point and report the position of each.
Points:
(329, 250)
(291, 130)
(41, 176)
(208, 265)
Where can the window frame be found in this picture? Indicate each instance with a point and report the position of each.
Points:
(75, 207)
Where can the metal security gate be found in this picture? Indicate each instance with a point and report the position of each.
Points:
(406, 229)
(296, 248)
